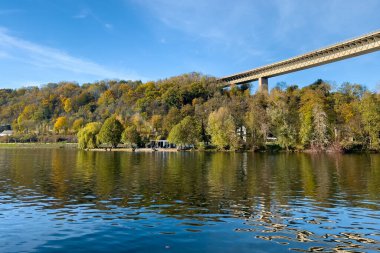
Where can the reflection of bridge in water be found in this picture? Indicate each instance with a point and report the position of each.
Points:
(362, 45)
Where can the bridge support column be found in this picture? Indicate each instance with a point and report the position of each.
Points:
(263, 85)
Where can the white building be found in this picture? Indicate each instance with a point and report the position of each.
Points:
(161, 144)
(242, 132)
(6, 133)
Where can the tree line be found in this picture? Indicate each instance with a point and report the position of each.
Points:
(192, 109)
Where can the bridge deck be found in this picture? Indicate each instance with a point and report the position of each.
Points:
(361, 45)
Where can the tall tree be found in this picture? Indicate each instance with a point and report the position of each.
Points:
(111, 131)
(370, 110)
(320, 134)
(257, 120)
(131, 136)
(222, 129)
(61, 124)
(87, 136)
(186, 132)
(282, 119)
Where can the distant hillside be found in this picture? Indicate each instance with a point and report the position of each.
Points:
(293, 118)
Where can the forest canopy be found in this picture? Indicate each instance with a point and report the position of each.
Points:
(193, 108)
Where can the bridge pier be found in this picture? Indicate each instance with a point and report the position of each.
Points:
(362, 45)
(263, 84)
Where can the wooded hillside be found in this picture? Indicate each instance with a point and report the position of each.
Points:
(191, 109)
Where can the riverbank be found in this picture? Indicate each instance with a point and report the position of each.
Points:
(75, 146)
(135, 150)
(39, 145)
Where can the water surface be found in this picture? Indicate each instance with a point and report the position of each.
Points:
(64, 200)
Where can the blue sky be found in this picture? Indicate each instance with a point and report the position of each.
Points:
(45, 41)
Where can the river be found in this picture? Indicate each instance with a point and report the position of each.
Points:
(65, 200)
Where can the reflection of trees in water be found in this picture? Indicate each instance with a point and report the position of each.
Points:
(85, 166)
(183, 176)
(307, 176)
(374, 177)
(280, 197)
(59, 172)
(222, 175)
(25, 167)
(15, 162)
(358, 176)
(212, 179)
(200, 179)
(107, 177)
(317, 175)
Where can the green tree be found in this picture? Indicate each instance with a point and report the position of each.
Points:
(131, 136)
(87, 136)
(172, 118)
(172, 97)
(257, 120)
(111, 131)
(313, 116)
(310, 99)
(320, 133)
(370, 110)
(185, 132)
(77, 124)
(347, 121)
(283, 126)
(222, 129)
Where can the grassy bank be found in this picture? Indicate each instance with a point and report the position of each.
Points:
(38, 145)
(267, 149)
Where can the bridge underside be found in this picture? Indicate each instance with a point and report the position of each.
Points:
(351, 48)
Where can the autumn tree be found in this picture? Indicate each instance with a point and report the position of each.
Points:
(131, 136)
(60, 124)
(222, 129)
(315, 107)
(87, 136)
(77, 124)
(30, 118)
(347, 123)
(282, 119)
(257, 120)
(185, 132)
(370, 110)
(320, 128)
(111, 131)
(156, 124)
(312, 116)
(173, 117)
(67, 104)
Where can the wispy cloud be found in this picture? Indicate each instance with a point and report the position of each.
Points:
(253, 28)
(84, 13)
(50, 58)
(322, 22)
(88, 13)
(10, 11)
(212, 21)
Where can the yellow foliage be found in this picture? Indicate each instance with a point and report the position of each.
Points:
(106, 98)
(60, 124)
(156, 121)
(67, 105)
(78, 124)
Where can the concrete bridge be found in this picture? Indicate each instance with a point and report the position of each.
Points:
(361, 45)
